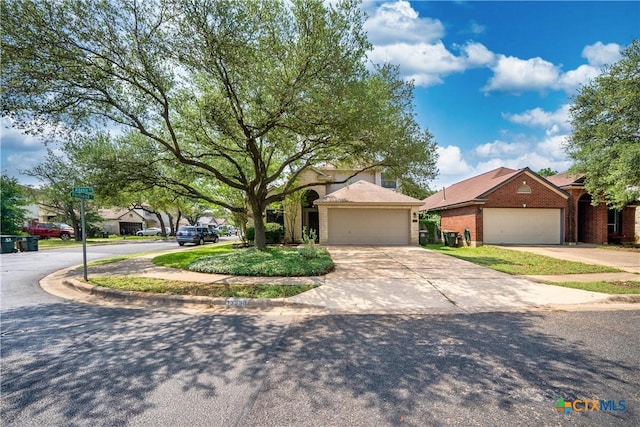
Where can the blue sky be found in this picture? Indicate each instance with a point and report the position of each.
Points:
(494, 80)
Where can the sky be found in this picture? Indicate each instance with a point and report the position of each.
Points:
(493, 80)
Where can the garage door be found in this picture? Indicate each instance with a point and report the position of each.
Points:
(369, 226)
(522, 226)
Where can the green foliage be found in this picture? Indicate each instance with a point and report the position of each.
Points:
(547, 172)
(273, 261)
(182, 259)
(224, 101)
(274, 233)
(308, 248)
(13, 199)
(430, 221)
(605, 143)
(250, 234)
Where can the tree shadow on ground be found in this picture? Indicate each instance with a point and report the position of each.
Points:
(71, 364)
(483, 369)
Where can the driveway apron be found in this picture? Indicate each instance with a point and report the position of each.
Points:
(408, 279)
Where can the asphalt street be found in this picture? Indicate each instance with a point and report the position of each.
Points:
(66, 363)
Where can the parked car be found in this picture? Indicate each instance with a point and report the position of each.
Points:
(46, 230)
(228, 230)
(198, 235)
(152, 231)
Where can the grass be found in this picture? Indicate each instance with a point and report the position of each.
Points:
(612, 287)
(519, 263)
(59, 243)
(176, 287)
(183, 259)
(271, 262)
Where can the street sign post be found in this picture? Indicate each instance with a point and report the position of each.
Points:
(83, 193)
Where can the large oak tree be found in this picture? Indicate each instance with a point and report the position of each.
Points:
(244, 94)
(605, 143)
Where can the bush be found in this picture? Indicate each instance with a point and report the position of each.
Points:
(250, 234)
(274, 233)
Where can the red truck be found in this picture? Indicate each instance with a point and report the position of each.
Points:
(45, 230)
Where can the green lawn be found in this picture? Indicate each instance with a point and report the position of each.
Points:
(175, 287)
(59, 243)
(183, 259)
(613, 287)
(518, 262)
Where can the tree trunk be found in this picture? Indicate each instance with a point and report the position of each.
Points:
(171, 229)
(163, 231)
(258, 225)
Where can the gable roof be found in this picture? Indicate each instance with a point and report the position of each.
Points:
(116, 214)
(475, 189)
(366, 193)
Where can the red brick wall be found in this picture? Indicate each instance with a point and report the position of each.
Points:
(541, 196)
(593, 223)
(629, 224)
(461, 218)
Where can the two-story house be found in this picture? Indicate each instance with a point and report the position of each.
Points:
(364, 209)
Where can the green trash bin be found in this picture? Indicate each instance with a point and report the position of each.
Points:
(450, 238)
(8, 244)
(422, 237)
(32, 243)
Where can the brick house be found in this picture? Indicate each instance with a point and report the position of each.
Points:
(595, 224)
(521, 207)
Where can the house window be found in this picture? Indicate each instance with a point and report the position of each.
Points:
(524, 189)
(388, 181)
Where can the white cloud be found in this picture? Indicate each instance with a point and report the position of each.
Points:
(476, 54)
(399, 22)
(500, 149)
(537, 117)
(513, 74)
(600, 54)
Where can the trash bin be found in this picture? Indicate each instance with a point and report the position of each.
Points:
(32, 243)
(450, 238)
(422, 237)
(22, 244)
(8, 244)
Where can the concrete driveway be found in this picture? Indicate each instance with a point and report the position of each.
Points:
(415, 280)
(618, 258)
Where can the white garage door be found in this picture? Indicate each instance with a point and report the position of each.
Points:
(369, 226)
(522, 226)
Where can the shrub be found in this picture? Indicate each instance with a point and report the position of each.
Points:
(274, 233)
(250, 234)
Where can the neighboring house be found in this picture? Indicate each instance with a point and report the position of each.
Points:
(121, 221)
(365, 209)
(521, 207)
(596, 224)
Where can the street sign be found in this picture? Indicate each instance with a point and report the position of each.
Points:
(84, 193)
(87, 190)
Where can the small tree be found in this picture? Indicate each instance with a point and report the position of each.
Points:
(290, 206)
(13, 199)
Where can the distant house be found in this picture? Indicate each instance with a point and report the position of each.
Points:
(507, 206)
(121, 221)
(366, 209)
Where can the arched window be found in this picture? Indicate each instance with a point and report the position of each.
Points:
(524, 188)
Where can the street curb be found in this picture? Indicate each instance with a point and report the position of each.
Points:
(180, 300)
(625, 298)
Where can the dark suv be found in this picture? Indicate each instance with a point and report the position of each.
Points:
(198, 235)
